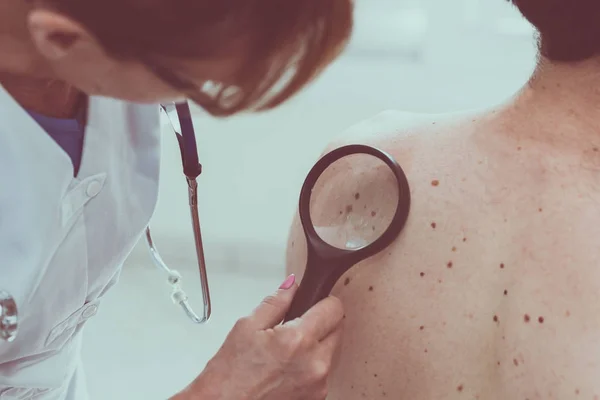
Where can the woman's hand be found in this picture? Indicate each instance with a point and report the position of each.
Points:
(263, 360)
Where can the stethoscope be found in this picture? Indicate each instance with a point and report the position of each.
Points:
(335, 241)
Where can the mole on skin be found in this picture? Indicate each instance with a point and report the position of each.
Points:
(422, 274)
(357, 196)
(435, 182)
(460, 388)
(346, 281)
(526, 318)
(433, 225)
(501, 266)
(449, 265)
(541, 320)
(370, 288)
(505, 292)
(495, 318)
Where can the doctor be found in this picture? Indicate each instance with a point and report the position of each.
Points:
(79, 164)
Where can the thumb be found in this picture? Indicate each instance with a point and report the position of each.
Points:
(273, 308)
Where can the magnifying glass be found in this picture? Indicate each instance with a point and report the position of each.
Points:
(336, 243)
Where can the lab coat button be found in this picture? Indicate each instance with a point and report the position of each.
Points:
(90, 311)
(93, 188)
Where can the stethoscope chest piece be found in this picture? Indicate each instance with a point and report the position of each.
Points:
(8, 317)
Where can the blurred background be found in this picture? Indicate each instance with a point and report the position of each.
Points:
(425, 56)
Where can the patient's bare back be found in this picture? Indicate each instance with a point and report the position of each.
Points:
(492, 290)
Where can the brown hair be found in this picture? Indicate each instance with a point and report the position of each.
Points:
(569, 29)
(293, 39)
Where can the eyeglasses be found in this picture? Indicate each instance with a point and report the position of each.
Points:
(180, 119)
(204, 95)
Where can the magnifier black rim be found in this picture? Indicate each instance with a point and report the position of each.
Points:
(394, 228)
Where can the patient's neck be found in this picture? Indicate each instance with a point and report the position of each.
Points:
(569, 92)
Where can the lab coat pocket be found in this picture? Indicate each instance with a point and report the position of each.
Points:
(64, 331)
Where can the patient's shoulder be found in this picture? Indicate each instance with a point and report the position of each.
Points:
(404, 131)
(386, 125)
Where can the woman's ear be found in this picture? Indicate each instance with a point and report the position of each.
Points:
(58, 37)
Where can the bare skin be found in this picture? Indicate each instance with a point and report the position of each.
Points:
(492, 291)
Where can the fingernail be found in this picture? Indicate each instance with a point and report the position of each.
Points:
(288, 283)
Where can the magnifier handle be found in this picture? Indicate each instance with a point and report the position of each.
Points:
(314, 287)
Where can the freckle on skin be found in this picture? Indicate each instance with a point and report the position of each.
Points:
(568, 313)
(421, 327)
(370, 288)
(349, 208)
(435, 182)
(357, 196)
(454, 249)
(346, 281)
(577, 391)
(460, 388)
(516, 362)
(464, 239)
(373, 213)
(449, 265)
(495, 318)
(501, 266)
(526, 318)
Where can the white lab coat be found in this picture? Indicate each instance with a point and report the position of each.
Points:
(63, 239)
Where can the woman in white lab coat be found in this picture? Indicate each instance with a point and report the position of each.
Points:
(79, 164)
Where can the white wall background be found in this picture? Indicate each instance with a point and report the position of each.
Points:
(416, 55)
(423, 56)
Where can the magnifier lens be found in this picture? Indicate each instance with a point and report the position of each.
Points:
(354, 201)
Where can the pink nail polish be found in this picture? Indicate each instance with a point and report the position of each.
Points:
(288, 283)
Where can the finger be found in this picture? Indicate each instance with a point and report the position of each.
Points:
(330, 347)
(273, 308)
(322, 319)
(332, 342)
